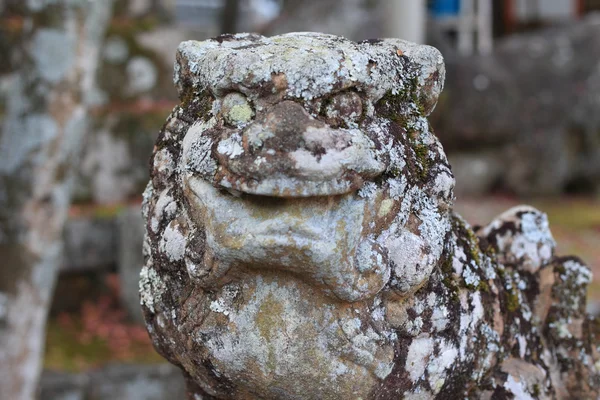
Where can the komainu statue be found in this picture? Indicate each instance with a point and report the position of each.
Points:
(301, 242)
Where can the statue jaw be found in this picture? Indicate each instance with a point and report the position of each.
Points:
(321, 240)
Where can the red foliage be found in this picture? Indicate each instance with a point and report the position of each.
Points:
(106, 320)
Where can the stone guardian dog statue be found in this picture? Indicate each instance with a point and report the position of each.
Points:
(301, 242)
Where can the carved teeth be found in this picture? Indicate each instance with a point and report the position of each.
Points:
(293, 187)
(234, 193)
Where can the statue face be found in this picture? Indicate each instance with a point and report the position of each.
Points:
(301, 192)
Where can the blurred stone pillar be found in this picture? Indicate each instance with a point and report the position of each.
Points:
(406, 19)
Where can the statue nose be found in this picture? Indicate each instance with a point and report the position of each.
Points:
(282, 128)
(287, 152)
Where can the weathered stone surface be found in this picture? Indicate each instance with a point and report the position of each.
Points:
(63, 386)
(115, 382)
(534, 103)
(300, 239)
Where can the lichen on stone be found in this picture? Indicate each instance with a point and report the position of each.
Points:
(151, 287)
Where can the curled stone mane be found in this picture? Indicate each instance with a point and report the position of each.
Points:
(300, 239)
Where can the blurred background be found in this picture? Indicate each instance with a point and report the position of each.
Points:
(85, 85)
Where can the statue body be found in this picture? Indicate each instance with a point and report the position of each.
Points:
(301, 242)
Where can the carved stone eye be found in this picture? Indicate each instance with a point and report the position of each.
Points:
(344, 109)
(236, 109)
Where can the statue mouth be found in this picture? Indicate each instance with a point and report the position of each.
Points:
(319, 239)
(293, 213)
(286, 187)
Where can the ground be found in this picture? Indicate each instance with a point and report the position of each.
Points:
(97, 333)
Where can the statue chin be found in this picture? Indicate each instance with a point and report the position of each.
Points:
(277, 342)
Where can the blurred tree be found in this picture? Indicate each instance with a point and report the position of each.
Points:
(50, 59)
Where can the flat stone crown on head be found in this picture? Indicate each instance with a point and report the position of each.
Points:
(314, 65)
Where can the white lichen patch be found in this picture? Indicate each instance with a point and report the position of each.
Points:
(419, 394)
(471, 277)
(477, 308)
(407, 251)
(146, 198)
(417, 360)
(433, 227)
(522, 340)
(224, 302)
(517, 388)
(582, 275)
(444, 184)
(472, 313)
(528, 241)
(397, 190)
(232, 146)
(368, 190)
(164, 209)
(163, 162)
(439, 367)
(151, 288)
(173, 242)
(536, 228)
(458, 260)
(196, 150)
(383, 370)
(439, 318)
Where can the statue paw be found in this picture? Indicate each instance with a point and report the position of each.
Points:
(521, 237)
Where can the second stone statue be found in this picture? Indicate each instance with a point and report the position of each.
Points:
(301, 242)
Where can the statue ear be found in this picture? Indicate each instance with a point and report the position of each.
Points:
(192, 63)
(187, 66)
(431, 70)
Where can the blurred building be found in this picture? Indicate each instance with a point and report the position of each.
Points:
(474, 24)
(524, 15)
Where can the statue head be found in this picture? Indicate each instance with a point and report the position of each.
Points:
(296, 192)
